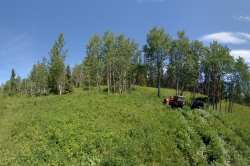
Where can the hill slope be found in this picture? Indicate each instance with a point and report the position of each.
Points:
(99, 129)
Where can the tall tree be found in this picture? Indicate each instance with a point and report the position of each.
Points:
(238, 83)
(18, 83)
(68, 88)
(183, 62)
(1, 87)
(39, 77)
(87, 64)
(24, 87)
(157, 50)
(33, 76)
(109, 61)
(137, 69)
(195, 76)
(56, 66)
(77, 75)
(93, 65)
(7, 88)
(217, 63)
(247, 97)
(42, 75)
(126, 55)
(13, 83)
(108, 50)
(140, 74)
(242, 79)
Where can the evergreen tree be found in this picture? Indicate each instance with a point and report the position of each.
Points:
(13, 83)
(68, 88)
(56, 66)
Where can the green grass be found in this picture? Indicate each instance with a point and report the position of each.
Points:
(86, 128)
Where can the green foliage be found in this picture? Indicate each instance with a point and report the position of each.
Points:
(68, 88)
(13, 84)
(92, 63)
(77, 75)
(156, 51)
(139, 70)
(86, 128)
(182, 62)
(240, 77)
(56, 66)
(217, 64)
(116, 62)
(38, 77)
(109, 61)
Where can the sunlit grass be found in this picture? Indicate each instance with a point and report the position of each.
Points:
(118, 129)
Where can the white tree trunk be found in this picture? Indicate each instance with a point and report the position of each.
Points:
(60, 89)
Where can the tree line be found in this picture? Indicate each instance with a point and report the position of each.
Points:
(117, 62)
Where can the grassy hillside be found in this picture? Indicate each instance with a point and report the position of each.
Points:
(99, 129)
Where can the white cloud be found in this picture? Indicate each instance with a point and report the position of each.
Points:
(237, 16)
(242, 53)
(141, 1)
(246, 18)
(228, 37)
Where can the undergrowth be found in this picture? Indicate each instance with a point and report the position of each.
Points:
(86, 128)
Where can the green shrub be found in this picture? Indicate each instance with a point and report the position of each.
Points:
(86, 128)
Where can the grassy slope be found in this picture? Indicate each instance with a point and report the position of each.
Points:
(99, 129)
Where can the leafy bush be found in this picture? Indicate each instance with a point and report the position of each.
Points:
(86, 128)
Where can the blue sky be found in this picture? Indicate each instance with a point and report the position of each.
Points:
(29, 28)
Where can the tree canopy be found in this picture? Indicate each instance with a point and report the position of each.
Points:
(115, 61)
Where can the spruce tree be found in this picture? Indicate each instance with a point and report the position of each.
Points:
(68, 88)
(56, 66)
(13, 84)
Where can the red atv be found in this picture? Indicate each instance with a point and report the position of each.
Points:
(175, 101)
